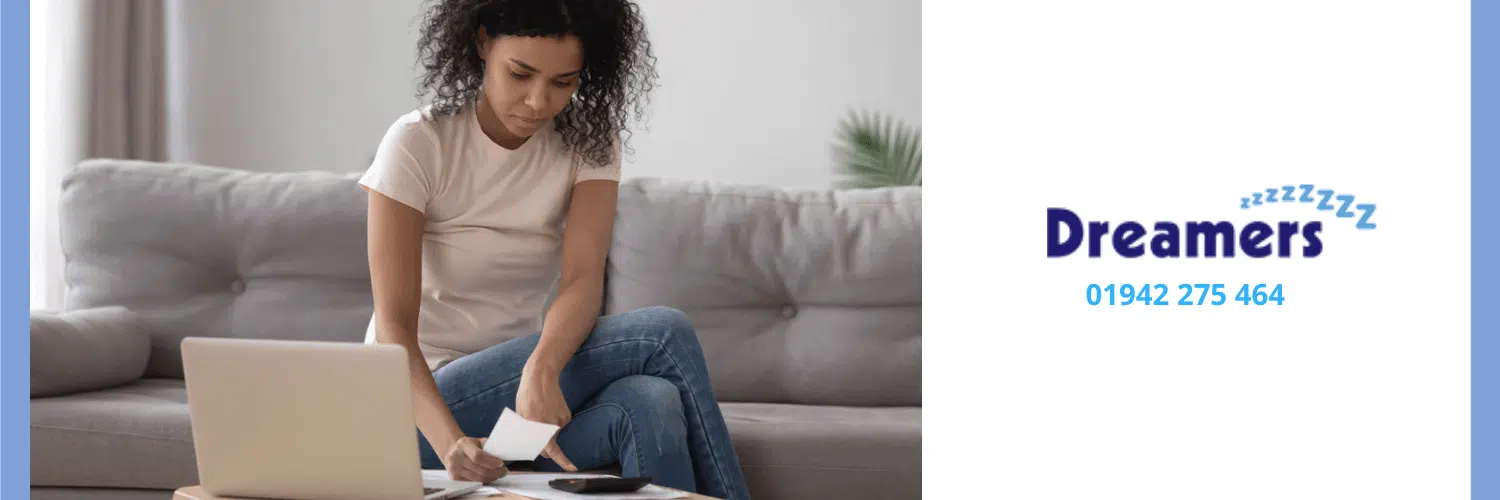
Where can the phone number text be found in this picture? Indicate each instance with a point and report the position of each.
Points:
(1195, 294)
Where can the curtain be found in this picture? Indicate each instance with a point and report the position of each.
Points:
(98, 74)
(59, 39)
(128, 115)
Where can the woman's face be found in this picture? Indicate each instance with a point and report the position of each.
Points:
(529, 80)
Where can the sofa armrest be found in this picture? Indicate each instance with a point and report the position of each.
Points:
(86, 350)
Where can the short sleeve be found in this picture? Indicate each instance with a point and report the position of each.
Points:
(403, 168)
(610, 172)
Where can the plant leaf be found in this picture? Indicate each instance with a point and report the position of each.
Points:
(877, 150)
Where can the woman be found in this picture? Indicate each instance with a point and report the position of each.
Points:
(467, 202)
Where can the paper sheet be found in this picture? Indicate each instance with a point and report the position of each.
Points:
(440, 474)
(515, 438)
(483, 492)
(533, 485)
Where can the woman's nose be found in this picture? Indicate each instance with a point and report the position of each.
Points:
(536, 98)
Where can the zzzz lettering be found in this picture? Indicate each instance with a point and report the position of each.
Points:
(1327, 195)
(1344, 209)
(1343, 206)
(1364, 222)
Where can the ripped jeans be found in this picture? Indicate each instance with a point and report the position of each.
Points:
(640, 395)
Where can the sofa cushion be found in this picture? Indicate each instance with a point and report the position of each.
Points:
(85, 350)
(799, 451)
(811, 297)
(134, 436)
(99, 494)
(206, 251)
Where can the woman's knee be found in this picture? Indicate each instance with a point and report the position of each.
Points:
(665, 317)
(650, 398)
(666, 324)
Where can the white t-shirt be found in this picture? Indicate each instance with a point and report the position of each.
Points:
(491, 249)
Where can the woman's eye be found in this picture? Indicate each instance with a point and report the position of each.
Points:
(562, 85)
(517, 76)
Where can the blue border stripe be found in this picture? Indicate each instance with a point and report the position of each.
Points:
(15, 207)
(1484, 193)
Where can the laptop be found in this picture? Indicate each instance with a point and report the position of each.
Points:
(306, 420)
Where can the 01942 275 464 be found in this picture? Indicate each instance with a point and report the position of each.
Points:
(1184, 294)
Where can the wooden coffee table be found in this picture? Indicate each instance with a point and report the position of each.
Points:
(196, 493)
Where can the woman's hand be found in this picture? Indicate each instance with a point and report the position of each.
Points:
(466, 460)
(540, 399)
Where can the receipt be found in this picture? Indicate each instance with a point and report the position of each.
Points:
(515, 438)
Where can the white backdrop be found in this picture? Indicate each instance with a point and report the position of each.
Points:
(751, 92)
(1356, 387)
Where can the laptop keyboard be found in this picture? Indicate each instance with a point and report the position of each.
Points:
(430, 490)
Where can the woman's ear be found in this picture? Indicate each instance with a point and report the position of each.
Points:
(484, 43)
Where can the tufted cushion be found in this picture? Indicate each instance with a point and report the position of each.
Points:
(206, 251)
(810, 297)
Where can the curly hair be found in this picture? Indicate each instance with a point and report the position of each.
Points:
(618, 67)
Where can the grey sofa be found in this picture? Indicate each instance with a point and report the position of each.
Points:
(807, 303)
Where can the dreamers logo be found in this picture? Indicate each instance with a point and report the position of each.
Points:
(1209, 239)
(1203, 239)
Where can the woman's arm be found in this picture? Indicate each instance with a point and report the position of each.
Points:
(395, 242)
(591, 219)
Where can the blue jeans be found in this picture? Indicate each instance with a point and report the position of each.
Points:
(639, 390)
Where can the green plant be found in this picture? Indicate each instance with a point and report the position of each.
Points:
(877, 150)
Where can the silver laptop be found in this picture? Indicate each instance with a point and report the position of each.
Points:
(306, 420)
